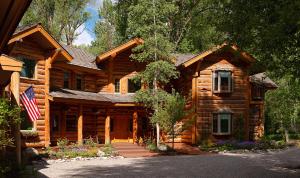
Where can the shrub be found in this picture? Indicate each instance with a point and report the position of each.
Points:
(109, 150)
(62, 143)
(90, 142)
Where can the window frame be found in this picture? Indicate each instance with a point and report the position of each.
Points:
(129, 79)
(69, 78)
(75, 118)
(219, 132)
(25, 58)
(230, 81)
(78, 76)
(115, 85)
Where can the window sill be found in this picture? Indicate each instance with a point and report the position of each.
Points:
(221, 92)
(26, 78)
(222, 134)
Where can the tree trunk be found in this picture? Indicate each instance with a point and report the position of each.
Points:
(286, 135)
(157, 135)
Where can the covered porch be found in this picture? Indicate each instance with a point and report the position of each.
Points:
(78, 116)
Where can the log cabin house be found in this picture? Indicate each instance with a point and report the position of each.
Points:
(84, 96)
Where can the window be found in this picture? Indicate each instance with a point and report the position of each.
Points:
(133, 86)
(66, 80)
(222, 123)
(257, 92)
(28, 69)
(117, 85)
(55, 122)
(79, 83)
(26, 123)
(71, 123)
(222, 82)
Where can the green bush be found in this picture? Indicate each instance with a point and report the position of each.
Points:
(109, 150)
(62, 143)
(90, 142)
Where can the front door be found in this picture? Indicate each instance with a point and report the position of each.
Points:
(121, 129)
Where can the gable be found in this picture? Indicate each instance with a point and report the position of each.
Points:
(186, 60)
(36, 34)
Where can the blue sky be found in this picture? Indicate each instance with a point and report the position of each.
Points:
(87, 29)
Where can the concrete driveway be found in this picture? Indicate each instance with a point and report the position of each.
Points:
(280, 164)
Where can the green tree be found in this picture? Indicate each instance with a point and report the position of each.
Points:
(149, 20)
(106, 36)
(60, 18)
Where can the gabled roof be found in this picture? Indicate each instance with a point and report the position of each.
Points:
(23, 32)
(11, 12)
(81, 57)
(264, 80)
(186, 60)
(113, 52)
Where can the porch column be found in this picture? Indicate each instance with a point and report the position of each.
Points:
(107, 128)
(15, 88)
(79, 126)
(135, 126)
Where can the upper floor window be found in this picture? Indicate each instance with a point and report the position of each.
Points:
(28, 69)
(117, 85)
(133, 86)
(257, 92)
(222, 81)
(222, 123)
(66, 80)
(79, 83)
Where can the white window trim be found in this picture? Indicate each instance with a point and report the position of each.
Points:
(219, 124)
(230, 85)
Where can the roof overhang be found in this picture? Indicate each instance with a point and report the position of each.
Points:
(38, 29)
(10, 64)
(113, 53)
(11, 12)
(225, 46)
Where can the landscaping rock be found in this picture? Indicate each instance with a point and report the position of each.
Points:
(162, 147)
(30, 153)
(100, 153)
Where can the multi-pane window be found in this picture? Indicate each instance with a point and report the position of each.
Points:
(66, 80)
(257, 92)
(55, 122)
(222, 123)
(133, 86)
(222, 81)
(28, 68)
(79, 83)
(71, 123)
(117, 85)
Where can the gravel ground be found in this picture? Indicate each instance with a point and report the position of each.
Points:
(276, 164)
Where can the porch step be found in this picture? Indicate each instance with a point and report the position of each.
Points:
(130, 150)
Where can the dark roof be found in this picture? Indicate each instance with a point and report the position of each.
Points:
(182, 58)
(262, 79)
(25, 27)
(91, 96)
(81, 95)
(81, 57)
(119, 98)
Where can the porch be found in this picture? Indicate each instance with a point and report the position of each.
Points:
(96, 117)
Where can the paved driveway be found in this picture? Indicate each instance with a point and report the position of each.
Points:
(282, 164)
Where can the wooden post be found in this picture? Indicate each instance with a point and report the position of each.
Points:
(135, 126)
(194, 100)
(15, 88)
(47, 102)
(107, 128)
(80, 126)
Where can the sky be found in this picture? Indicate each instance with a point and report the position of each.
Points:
(87, 29)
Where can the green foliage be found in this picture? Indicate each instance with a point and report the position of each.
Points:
(106, 36)
(9, 117)
(62, 143)
(90, 142)
(60, 18)
(109, 150)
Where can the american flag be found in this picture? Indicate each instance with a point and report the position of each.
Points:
(30, 104)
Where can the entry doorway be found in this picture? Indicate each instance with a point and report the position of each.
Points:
(121, 129)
